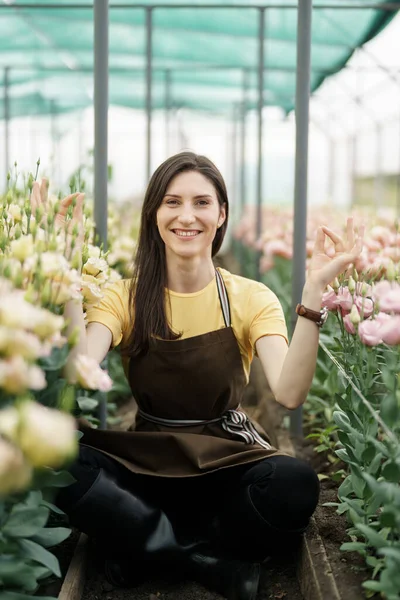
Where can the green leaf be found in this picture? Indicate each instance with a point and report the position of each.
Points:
(390, 552)
(354, 547)
(25, 522)
(358, 485)
(51, 536)
(18, 574)
(346, 488)
(51, 396)
(387, 518)
(6, 595)
(390, 411)
(376, 586)
(38, 554)
(355, 505)
(87, 404)
(48, 478)
(343, 421)
(374, 538)
(52, 507)
(376, 463)
(391, 472)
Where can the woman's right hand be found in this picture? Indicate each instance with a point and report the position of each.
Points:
(39, 198)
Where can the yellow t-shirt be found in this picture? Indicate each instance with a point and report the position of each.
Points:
(255, 312)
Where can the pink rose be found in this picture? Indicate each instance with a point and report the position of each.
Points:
(278, 247)
(381, 288)
(348, 325)
(390, 331)
(363, 289)
(390, 301)
(344, 300)
(365, 306)
(370, 332)
(329, 299)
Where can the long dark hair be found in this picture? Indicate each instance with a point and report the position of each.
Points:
(149, 280)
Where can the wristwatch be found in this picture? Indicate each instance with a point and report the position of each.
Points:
(318, 316)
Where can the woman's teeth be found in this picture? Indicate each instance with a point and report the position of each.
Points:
(186, 233)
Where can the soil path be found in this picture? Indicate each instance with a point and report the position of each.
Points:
(278, 581)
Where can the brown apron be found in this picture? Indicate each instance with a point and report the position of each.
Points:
(189, 420)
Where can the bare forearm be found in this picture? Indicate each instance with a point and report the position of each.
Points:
(73, 314)
(299, 365)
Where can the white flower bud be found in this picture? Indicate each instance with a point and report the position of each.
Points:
(355, 315)
(351, 285)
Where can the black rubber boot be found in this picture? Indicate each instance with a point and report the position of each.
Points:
(139, 535)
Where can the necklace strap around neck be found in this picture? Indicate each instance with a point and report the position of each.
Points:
(223, 298)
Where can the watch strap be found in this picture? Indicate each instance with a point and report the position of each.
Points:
(317, 316)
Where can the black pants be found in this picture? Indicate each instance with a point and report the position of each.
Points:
(259, 507)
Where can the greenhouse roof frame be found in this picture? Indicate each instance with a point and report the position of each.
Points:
(102, 69)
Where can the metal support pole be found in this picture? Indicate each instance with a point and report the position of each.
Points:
(260, 105)
(242, 158)
(331, 169)
(378, 183)
(101, 21)
(168, 81)
(149, 75)
(234, 173)
(304, 15)
(6, 121)
(54, 137)
(353, 169)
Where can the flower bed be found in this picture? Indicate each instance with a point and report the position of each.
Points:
(42, 267)
(353, 408)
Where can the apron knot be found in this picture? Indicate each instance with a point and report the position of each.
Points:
(238, 423)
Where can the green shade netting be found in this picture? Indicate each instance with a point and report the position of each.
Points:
(206, 53)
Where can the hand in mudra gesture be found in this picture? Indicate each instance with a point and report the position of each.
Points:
(74, 225)
(322, 268)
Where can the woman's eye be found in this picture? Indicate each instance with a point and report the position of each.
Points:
(203, 202)
(169, 202)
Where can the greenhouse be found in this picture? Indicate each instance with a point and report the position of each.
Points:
(200, 300)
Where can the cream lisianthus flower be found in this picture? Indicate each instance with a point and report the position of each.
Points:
(15, 472)
(94, 266)
(22, 248)
(90, 375)
(94, 251)
(17, 376)
(9, 420)
(14, 213)
(47, 324)
(91, 292)
(23, 343)
(46, 436)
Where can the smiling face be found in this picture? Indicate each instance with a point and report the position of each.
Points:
(189, 216)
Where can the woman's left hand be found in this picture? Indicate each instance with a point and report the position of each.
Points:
(322, 268)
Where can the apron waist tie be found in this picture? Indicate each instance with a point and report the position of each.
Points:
(233, 421)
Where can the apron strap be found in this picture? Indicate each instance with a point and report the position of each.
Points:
(223, 298)
(234, 421)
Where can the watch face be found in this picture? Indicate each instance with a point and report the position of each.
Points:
(324, 316)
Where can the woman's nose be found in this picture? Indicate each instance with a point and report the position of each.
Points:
(186, 217)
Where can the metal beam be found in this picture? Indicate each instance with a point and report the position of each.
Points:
(168, 84)
(243, 113)
(101, 20)
(304, 16)
(260, 106)
(6, 122)
(149, 77)
(385, 6)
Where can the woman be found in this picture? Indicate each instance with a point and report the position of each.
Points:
(194, 485)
